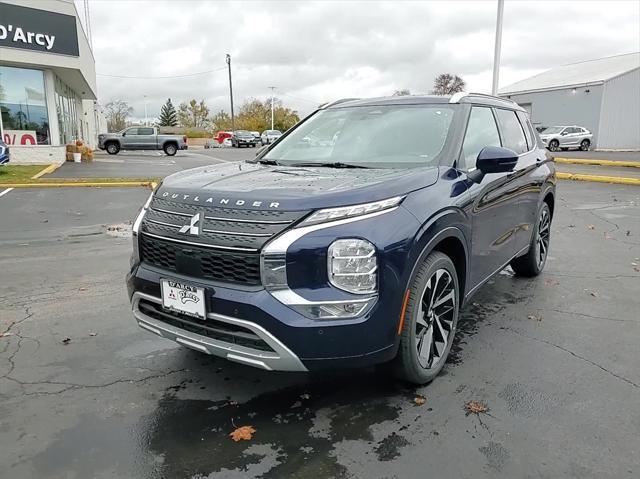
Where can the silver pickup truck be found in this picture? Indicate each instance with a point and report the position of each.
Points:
(141, 138)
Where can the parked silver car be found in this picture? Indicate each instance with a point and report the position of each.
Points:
(269, 136)
(565, 137)
(141, 138)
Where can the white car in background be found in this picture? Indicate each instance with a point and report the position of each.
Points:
(564, 137)
(269, 136)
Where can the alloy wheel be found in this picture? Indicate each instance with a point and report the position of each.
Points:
(434, 321)
(543, 236)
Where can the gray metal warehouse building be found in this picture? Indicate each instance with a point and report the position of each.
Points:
(602, 95)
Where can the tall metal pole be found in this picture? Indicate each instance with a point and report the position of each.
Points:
(496, 53)
(233, 118)
(146, 118)
(272, 89)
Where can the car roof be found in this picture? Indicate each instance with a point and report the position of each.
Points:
(458, 98)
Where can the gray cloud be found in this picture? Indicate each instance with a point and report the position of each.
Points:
(318, 51)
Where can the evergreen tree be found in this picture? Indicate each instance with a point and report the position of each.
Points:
(168, 114)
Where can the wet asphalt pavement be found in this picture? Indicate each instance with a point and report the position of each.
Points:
(84, 393)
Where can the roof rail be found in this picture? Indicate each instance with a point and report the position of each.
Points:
(336, 102)
(456, 97)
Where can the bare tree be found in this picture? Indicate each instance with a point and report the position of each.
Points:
(117, 112)
(447, 84)
(402, 92)
(194, 115)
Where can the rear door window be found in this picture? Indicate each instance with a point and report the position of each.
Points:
(512, 134)
(145, 131)
(481, 131)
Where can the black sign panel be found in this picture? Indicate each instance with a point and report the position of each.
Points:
(39, 30)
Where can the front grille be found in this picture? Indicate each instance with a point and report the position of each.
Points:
(239, 268)
(211, 328)
(226, 247)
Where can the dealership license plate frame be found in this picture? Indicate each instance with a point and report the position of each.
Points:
(191, 302)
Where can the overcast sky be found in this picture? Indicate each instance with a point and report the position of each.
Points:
(319, 51)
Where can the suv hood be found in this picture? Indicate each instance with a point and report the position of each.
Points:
(255, 186)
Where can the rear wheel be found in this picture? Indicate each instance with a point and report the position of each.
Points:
(170, 149)
(113, 148)
(532, 263)
(430, 320)
(584, 145)
(553, 145)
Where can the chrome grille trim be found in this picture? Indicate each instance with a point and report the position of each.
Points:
(177, 213)
(260, 235)
(163, 223)
(231, 220)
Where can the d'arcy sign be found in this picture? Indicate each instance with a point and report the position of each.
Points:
(39, 30)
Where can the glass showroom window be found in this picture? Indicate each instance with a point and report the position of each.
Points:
(67, 110)
(23, 107)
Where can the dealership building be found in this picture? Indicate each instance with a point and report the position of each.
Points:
(601, 95)
(48, 94)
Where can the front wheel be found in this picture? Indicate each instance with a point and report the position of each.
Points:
(113, 148)
(553, 145)
(430, 320)
(584, 145)
(532, 263)
(170, 149)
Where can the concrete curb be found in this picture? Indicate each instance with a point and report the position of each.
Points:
(94, 184)
(619, 180)
(582, 161)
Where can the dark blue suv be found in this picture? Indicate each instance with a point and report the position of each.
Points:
(5, 156)
(353, 240)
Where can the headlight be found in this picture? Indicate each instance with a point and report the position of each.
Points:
(353, 266)
(332, 214)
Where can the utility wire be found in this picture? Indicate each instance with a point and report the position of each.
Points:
(162, 77)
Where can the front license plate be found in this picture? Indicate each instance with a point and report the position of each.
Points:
(183, 298)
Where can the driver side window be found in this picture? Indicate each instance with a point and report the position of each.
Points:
(481, 131)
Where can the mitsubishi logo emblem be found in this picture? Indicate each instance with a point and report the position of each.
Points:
(192, 227)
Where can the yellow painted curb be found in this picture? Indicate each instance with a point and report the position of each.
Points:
(619, 180)
(62, 184)
(582, 161)
(49, 169)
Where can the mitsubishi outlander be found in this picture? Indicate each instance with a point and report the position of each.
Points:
(353, 240)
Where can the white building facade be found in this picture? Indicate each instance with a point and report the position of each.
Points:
(601, 95)
(48, 94)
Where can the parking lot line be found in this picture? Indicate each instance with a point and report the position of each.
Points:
(582, 161)
(2, 193)
(45, 171)
(191, 153)
(597, 178)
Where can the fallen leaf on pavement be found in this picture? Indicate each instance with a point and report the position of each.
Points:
(593, 293)
(607, 236)
(66, 340)
(304, 396)
(243, 433)
(93, 334)
(551, 282)
(419, 400)
(533, 317)
(5, 334)
(82, 289)
(591, 227)
(476, 407)
(628, 233)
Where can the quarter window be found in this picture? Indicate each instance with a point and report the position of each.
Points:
(512, 134)
(481, 131)
(526, 126)
(145, 131)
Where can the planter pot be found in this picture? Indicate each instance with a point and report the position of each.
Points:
(77, 157)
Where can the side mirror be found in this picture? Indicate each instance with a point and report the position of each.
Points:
(564, 133)
(124, 133)
(493, 159)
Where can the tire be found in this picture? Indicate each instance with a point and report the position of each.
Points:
(553, 145)
(419, 362)
(584, 145)
(112, 148)
(532, 263)
(170, 149)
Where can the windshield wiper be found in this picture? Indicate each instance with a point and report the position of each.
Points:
(266, 162)
(335, 164)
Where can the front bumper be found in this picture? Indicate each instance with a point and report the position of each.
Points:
(279, 358)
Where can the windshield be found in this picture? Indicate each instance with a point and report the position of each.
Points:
(552, 130)
(273, 132)
(391, 136)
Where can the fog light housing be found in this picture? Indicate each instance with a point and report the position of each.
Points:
(335, 310)
(352, 266)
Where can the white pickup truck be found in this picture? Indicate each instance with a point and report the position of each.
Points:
(141, 138)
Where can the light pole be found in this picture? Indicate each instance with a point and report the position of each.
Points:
(146, 121)
(496, 53)
(233, 120)
(272, 89)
